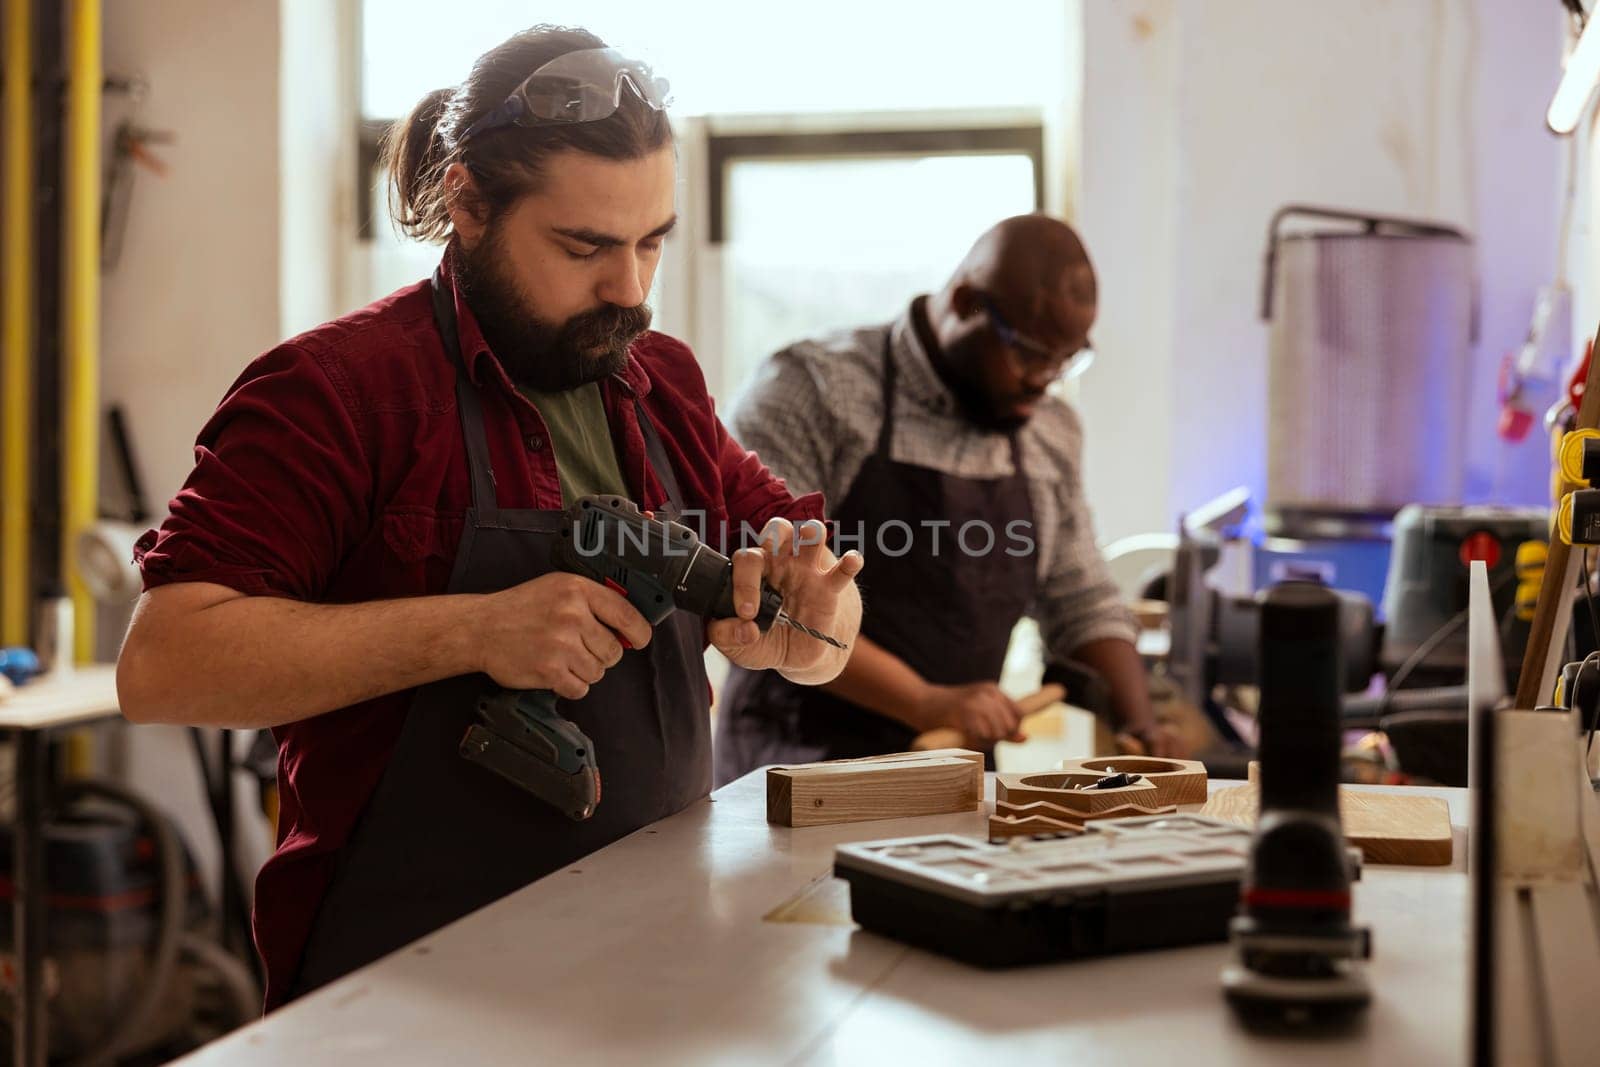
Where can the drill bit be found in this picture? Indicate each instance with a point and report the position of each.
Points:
(783, 617)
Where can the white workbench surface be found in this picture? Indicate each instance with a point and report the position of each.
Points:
(654, 951)
(82, 695)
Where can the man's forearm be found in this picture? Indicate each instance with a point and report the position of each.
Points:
(1118, 663)
(253, 661)
(880, 681)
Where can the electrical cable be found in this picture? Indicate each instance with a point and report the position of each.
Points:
(1429, 644)
(124, 1030)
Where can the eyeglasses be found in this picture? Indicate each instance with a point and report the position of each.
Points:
(1034, 359)
(581, 86)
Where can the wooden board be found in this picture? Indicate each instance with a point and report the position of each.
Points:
(1386, 828)
(1177, 781)
(820, 794)
(1059, 788)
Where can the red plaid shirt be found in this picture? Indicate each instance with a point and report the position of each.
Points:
(335, 471)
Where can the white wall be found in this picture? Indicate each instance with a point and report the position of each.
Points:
(197, 292)
(316, 159)
(1128, 214)
(1201, 118)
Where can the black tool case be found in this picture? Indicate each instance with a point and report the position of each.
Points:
(1122, 886)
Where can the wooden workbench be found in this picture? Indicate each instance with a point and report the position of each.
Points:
(655, 950)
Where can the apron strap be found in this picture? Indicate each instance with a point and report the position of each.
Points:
(656, 453)
(470, 404)
(1016, 455)
(886, 427)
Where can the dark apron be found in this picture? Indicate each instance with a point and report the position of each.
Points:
(948, 615)
(441, 836)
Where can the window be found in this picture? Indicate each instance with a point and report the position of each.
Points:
(822, 242)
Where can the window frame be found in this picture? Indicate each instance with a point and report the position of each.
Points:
(724, 149)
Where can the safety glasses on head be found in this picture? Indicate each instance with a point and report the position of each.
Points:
(1034, 359)
(582, 86)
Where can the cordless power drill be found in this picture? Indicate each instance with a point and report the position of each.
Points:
(658, 565)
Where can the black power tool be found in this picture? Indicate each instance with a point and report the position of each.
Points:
(658, 565)
(1297, 954)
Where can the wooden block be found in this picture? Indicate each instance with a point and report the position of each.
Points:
(1177, 781)
(1063, 790)
(1386, 827)
(819, 794)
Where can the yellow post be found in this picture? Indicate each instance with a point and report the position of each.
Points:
(16, 322)
(80, 327)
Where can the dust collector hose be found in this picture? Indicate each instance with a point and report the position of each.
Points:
(244, 996)
(173, 895)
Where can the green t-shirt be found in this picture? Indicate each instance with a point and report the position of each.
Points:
(580, 436)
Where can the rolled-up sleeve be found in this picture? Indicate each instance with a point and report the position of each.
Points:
(280, 489)
(1078, 602)
(753, 494)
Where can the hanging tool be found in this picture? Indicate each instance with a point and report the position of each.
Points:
(658, 565)
(130, 146)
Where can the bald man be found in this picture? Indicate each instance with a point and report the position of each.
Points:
(944, 458)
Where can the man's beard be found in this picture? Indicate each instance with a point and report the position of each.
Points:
(988, 413)
(586, 348)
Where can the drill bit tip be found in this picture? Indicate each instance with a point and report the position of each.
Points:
(784, 618)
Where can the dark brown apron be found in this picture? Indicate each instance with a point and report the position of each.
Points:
(442, 837)
(946, 614)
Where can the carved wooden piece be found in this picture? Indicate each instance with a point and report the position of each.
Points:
(1131, 811)
(1041, 817)
(1060, 789)
(1003, 826)
(892, 787)
(1177, 781)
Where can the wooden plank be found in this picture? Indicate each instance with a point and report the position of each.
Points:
(1386, 828)
(827, 793)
